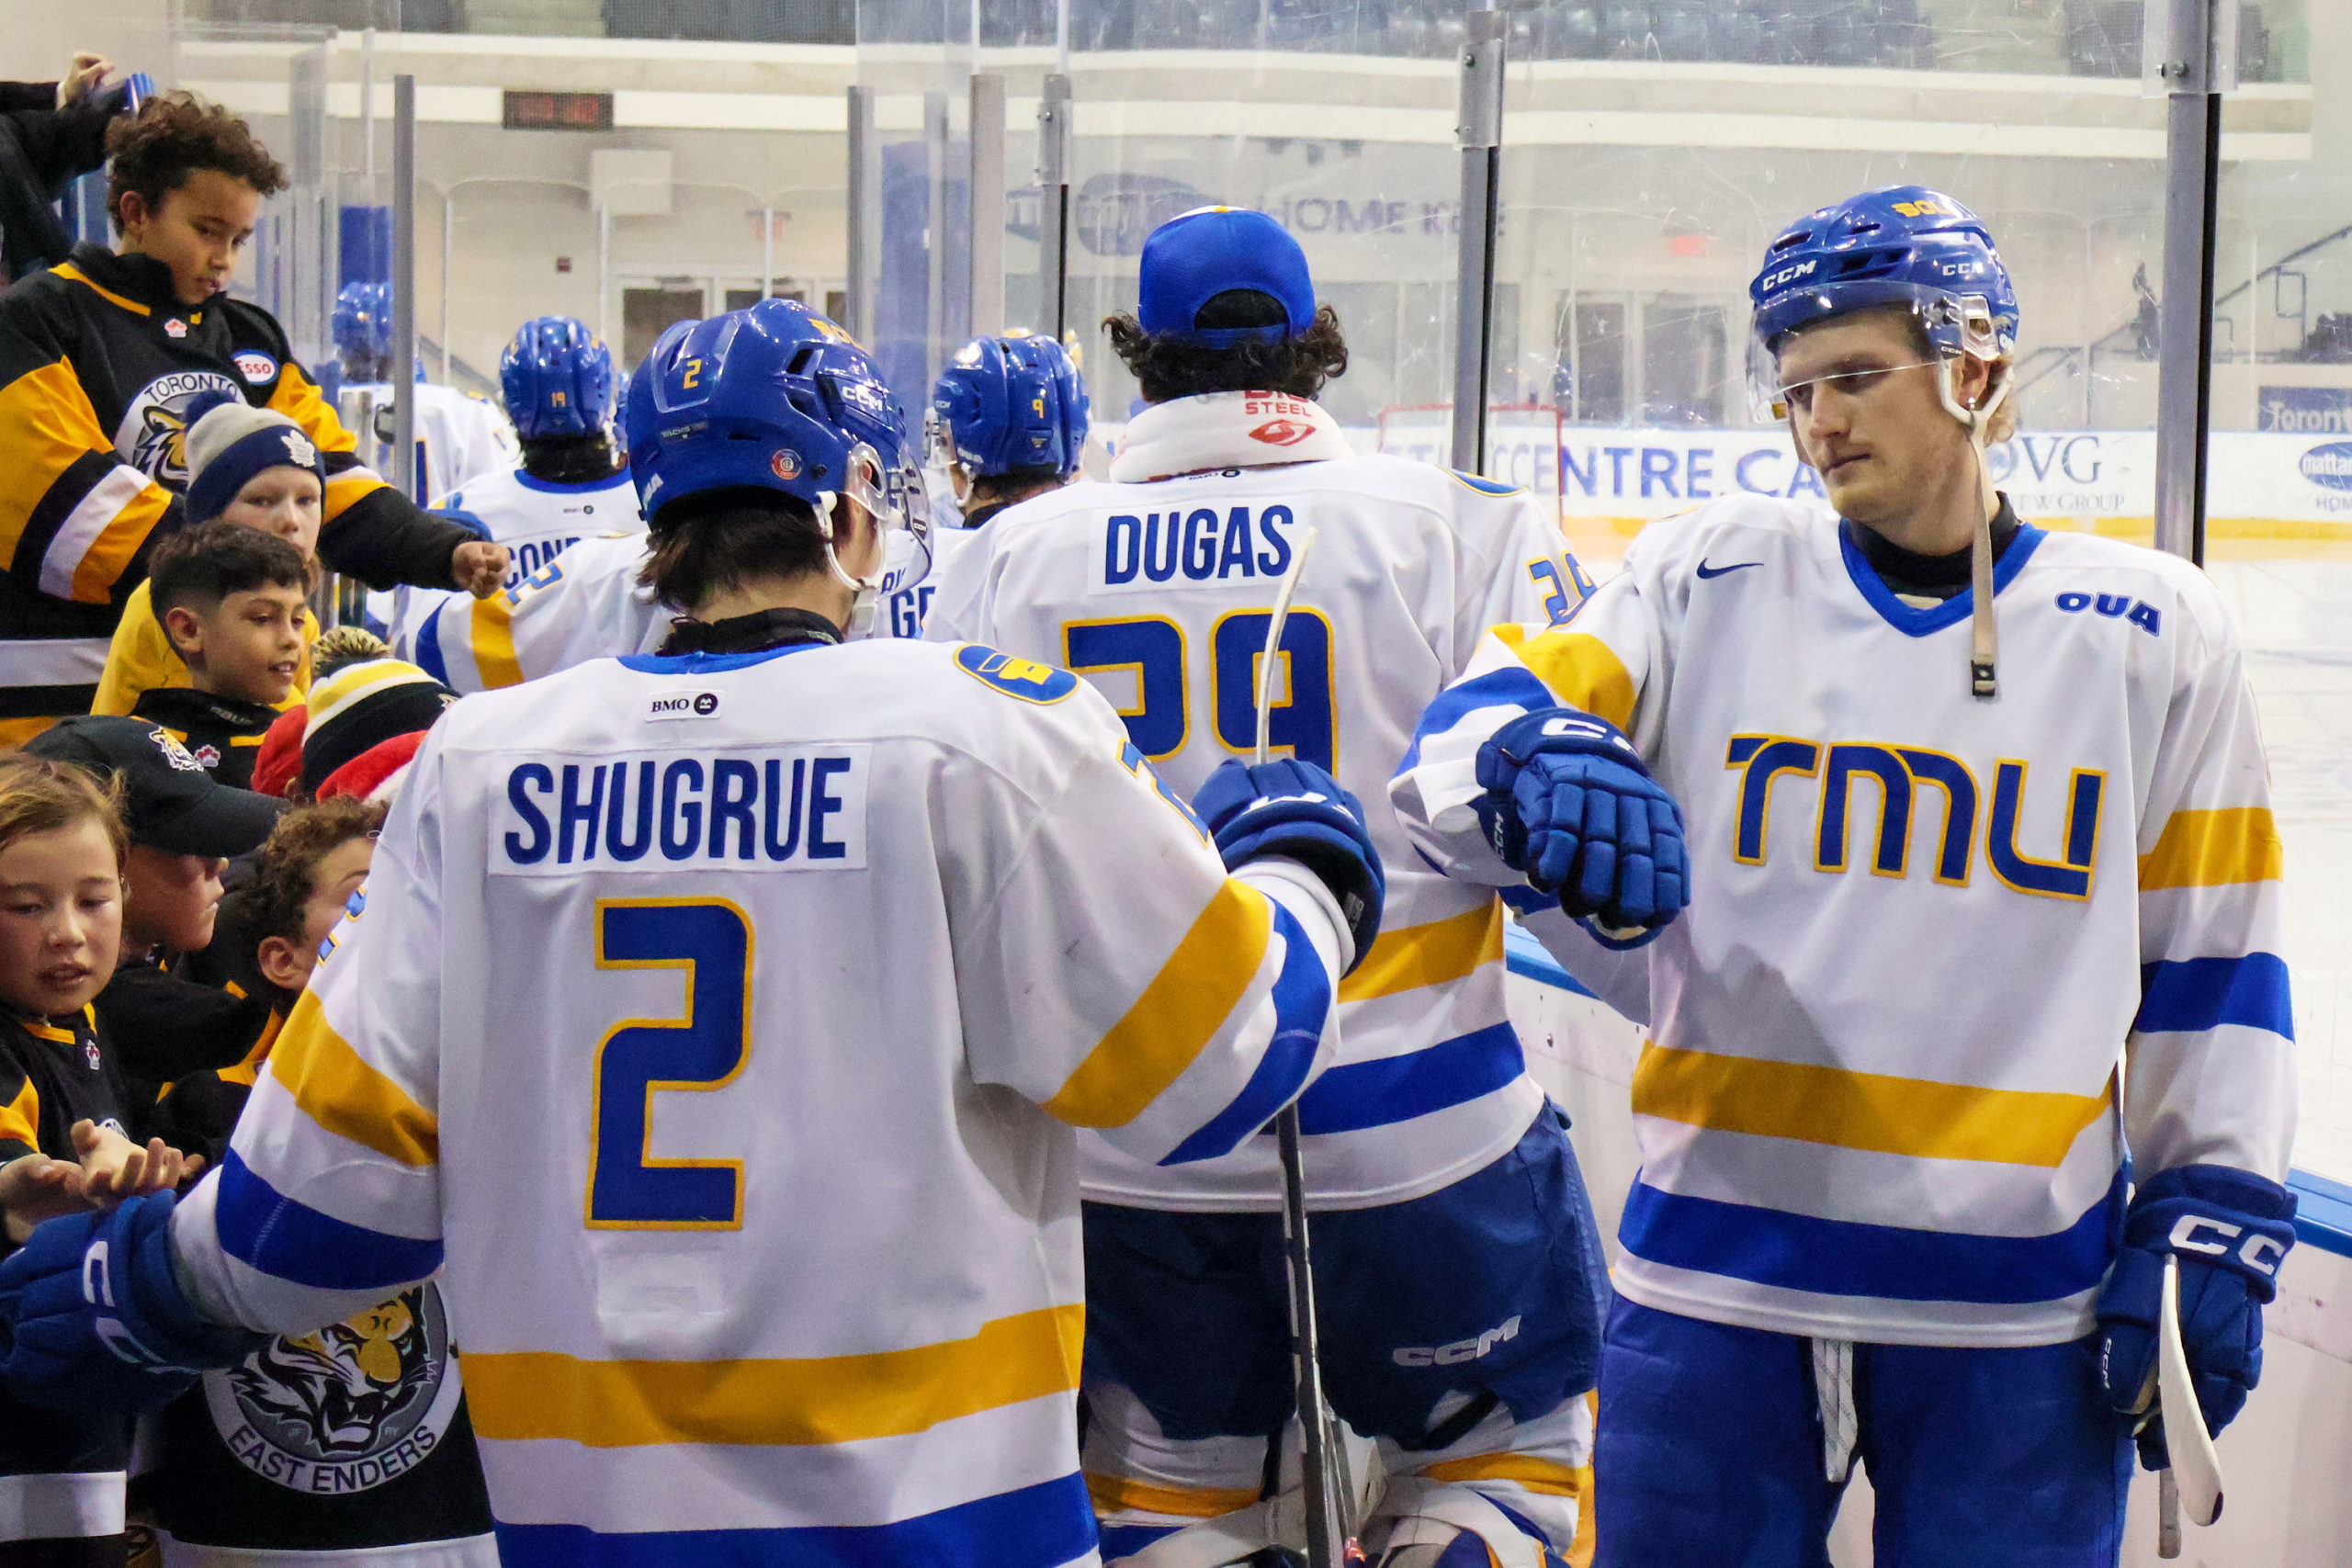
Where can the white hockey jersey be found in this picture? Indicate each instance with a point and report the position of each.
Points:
(586, 603)
(457, 436)
(535, 519)
(1926, 932)
(725, 1019)
(1158, 592)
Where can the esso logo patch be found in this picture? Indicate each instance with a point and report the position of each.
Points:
(1282, 432)
(257, 369)
(785, 463)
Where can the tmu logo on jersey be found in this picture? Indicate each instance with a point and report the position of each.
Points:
(1907, 782)
(1195, 546)
(794, 808)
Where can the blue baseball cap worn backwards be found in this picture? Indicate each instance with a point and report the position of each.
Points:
(1197, 256)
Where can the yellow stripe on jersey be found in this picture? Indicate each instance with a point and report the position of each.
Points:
(20, 1118)
(1549, 1477)
(72, 274)
(492, 637)
(523, 1396)
(1582, 670)
(1111, 1494)
(15, 732)
(246, 1071)
(1919, 1117)
(46, 426)
(1178, 1014)
(347, 489)
(1414, 956)
(2213, 849)
(108, 557)
(344, 1094)
(297, 397)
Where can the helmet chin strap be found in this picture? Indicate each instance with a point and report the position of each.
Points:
(1983, 641)
(866, 590)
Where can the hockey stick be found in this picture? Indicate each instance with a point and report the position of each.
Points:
(2196, 1468)
(1327, 1527)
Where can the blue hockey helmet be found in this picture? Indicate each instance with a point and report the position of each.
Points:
(363, 321)
(1903, 245)
(778, 398)
(1008, 402)
(557, 378)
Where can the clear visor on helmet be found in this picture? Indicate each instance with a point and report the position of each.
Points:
(1965, 321)
(938, 442)
(896, 497)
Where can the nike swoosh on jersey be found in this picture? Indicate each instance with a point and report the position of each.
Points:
(1706, 572)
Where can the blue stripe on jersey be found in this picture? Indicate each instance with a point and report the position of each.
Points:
(1841, 1257)
(1302, 997)
(1912, 620)
(426, 655)
(1037, 1527)
(2196, 994)
(265, 1230)
(1398, 1089)
(1125, 1540)
(1514, 686)
(709, 663)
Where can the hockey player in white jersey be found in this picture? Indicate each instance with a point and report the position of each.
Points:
(596, 600)
(1008, 420)
(2006, 947)
(753, 1172)
(456, 436)
(572, 483)
(1459, 1280)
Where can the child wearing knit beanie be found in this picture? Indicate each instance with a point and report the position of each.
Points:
(248, 466)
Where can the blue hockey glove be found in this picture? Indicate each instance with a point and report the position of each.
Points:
(92, 1314)
(1570, 804)
(2230, 1229)
(1295, 809)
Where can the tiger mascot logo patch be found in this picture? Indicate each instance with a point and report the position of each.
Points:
(347, 1408)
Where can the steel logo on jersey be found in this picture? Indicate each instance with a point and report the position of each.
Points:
(153, 431)
(346, 1409)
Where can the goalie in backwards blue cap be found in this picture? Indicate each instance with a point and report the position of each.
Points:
(1884, 1210)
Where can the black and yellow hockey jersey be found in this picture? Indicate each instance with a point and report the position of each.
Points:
(99, 363)
(60, 1472)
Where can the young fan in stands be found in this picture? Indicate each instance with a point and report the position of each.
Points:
(62, 1109)
(251, 466)
(233, 602)
(184, 827)
(279, 769)
(351, 1445)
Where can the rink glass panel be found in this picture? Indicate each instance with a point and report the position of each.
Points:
(2279, 543)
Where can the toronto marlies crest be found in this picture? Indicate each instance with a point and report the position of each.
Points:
(345, 1409)
(154, 432)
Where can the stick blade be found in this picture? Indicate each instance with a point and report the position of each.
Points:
(2195, 1464)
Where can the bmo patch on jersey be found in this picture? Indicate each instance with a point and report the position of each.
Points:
(1027, 679)
(797, 809)
(666, 706)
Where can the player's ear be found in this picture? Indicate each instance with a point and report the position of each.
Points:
(281, 964)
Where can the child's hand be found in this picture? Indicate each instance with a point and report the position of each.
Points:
(113, 1168)
(479, 566)
(34, 1187)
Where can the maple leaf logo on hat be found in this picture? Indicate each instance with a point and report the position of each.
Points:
(298, 448)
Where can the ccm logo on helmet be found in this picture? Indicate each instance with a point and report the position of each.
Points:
(1788, 274)
(1460, 1350)
(2257, 1252)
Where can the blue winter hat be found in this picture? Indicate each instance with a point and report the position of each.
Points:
(229, 441)
(1197, 256)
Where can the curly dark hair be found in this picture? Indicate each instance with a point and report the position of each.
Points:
(1168, 367)
(171, 137)
(286, 868)
(721, 538)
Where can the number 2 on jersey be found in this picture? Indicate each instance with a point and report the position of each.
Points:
(628, 1187)
(1304, 721)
